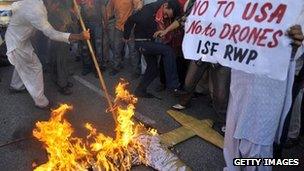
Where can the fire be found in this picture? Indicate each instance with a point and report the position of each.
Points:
(65, 152)
(97, 150)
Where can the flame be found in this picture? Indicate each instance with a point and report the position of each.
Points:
(66, 152)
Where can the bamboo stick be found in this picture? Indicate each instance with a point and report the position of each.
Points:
(100, 76)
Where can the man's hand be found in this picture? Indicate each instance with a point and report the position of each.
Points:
(160, 34)
(183, 21)
(85, 35)
(296, 34)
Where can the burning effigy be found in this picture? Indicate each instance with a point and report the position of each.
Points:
(132, 145)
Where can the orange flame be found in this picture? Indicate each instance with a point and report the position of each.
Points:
(66, 152)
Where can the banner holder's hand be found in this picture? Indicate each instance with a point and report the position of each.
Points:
(296, 34)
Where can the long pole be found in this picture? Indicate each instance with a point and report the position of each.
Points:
(101, 79)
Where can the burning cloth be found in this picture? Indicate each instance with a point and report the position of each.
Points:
(133, 144)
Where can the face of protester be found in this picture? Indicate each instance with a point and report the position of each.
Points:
(168, 12)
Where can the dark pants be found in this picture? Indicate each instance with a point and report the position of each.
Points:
(220, 77)
(59, 56)
(182, 67)
(195, 72)
(96, 40)
(151, 50)
(119, 46)
(41, 45)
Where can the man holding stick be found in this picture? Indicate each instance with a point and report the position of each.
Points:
(29, 16)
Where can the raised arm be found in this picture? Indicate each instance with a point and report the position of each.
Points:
(38, 18)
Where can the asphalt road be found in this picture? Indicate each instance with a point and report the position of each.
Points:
(18, 116)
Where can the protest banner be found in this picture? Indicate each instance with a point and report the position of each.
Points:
(247, 35)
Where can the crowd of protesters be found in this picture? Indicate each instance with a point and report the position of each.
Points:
(257, 115)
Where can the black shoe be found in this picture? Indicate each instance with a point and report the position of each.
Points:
(114, 72)
(65, 91)
(14, 91)
(85, 72)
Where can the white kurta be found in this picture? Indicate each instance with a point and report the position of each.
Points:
(256, 113)
(29, 16)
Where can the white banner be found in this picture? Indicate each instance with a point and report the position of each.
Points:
(247, 35)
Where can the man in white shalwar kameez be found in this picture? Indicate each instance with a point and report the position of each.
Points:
(257, 109)
(29, 16)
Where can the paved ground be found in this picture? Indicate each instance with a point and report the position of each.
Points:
(18, 115)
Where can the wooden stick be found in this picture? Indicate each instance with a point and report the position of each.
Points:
(15, 142)
(101, 79)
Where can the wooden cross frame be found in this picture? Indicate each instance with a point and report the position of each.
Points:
(190, 128)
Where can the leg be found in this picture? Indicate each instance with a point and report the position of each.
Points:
(29, 69)
(134, 57)
(162, 75)
(16, 82)
(170, 67)
(98, 44)
(295, 123)
(86, 61)
(118, 46)
(182, 66)
(295, 91)
(150, 74)
(195, 72)
(61, 63)
(221, 83)
(75, 51)
(169, 59)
